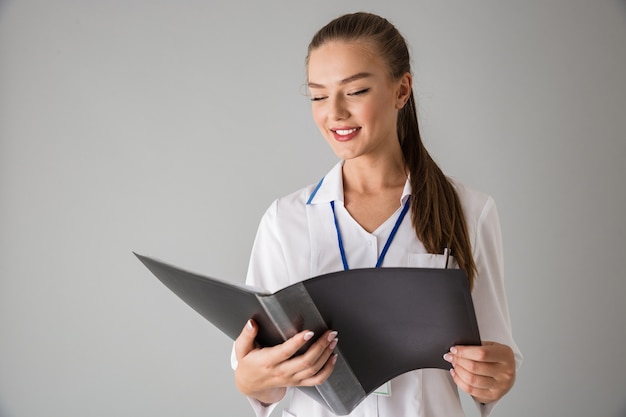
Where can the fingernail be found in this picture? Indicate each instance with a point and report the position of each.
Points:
(447, 357)
(308, 335)
(452, 372)
(333, 344)
(332, 336)
(453, 350)
(249, 325)
(334, 359)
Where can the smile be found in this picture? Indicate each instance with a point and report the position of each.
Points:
(345, 134)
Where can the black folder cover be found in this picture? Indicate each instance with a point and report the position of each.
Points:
(390, 320)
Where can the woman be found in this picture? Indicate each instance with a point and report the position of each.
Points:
(360, 84)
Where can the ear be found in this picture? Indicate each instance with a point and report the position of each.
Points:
(405, 86)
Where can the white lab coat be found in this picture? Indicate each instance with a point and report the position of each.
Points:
(297, 240)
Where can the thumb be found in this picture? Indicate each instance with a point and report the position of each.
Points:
(244, 343)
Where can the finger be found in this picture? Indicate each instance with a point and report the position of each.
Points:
(321, 349)
(314, 359)
(487, 369)
(474, 379)
(488, 352)
(244, 343)
(322, 375)
(286, 350)
(483, 394)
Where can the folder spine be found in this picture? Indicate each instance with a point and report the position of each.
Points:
(292, 310)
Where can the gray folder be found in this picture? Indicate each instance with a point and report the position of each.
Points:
(390, 320)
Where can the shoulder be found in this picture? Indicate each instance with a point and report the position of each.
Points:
(474, 202)
(293, 202)
(479, 209)
(288, 213)
(298, 202)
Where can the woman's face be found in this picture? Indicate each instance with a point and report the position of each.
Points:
(354, 101)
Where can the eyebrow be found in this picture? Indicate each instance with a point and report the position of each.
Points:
(345, 81)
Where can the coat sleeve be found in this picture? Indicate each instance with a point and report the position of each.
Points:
(267, 270)
(489, 296)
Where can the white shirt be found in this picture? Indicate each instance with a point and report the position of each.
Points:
(297, 240)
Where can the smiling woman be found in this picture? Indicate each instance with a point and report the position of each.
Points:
(362, 100)
(355, 105)
(169, 127)
(354, 97)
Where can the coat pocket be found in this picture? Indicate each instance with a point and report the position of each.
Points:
(431, 260)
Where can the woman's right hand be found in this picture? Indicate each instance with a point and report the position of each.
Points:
(264, 373)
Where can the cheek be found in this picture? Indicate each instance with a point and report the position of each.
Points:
(369, 113)
(319, 116)
(379, 112)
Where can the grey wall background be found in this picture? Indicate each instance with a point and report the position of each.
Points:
(167, 128)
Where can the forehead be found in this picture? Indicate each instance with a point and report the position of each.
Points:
(337, 60)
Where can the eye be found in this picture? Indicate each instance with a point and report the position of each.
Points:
(318, 98)
(359, 92)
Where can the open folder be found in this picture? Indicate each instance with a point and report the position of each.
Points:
(389, 320)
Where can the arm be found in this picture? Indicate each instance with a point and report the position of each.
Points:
(487, 372)
(256, 369)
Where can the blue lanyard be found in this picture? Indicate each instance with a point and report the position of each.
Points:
(405, 209)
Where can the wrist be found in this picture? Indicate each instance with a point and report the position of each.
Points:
(269, 396)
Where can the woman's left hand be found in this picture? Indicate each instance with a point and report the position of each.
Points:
(485, 372)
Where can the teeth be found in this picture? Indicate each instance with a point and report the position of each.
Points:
(345, 131)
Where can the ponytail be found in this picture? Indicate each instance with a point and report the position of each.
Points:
(437, 215)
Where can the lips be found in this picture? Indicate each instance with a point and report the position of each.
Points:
(345, 133)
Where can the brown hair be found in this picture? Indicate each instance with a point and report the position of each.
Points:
(436, 211)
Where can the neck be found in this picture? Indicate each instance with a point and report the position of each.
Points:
(369, 176)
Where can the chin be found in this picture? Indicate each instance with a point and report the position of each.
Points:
(343, 152)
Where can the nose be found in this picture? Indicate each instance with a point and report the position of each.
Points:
(338, 109)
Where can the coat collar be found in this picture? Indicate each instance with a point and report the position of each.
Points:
(330, 188)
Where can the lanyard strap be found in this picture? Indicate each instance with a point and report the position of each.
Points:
(405, 209)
